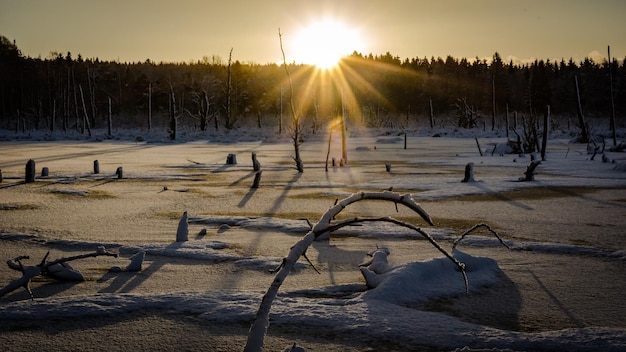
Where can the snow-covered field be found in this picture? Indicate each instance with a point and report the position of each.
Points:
(560, 287)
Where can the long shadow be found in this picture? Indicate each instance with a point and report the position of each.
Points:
(556, 301)
(496, 306)
(336, 259)
(49, 289)
(126, 282)
(236, 182)
(569, 193)
(82, 154)
(19, 183)
(281, 198)
(246, 198)
(499, 196)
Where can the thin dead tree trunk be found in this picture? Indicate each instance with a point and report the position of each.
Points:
(229, 87)
(581, 117)
(493, 108)
(432, 115)
(86, 119)
(612, 120)
(149, 106)
(344, 149)
(110, 121)
(544, 142)
(294, 117)
(172, 108)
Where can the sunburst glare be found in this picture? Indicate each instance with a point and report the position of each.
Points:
(322, 43)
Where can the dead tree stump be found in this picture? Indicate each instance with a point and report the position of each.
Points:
(45, 172)
(182, 234)
(231, 159)
(30, 171)
(469, 173)
(96, 167)
(119, 172)
(256, 165)
(388, 167)
(257, 179)
(0, 176)
(530, 171)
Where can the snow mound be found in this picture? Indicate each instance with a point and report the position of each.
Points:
(418, 282)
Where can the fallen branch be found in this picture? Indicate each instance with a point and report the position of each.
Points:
(325, 225)
(51, 269)
(475, 227)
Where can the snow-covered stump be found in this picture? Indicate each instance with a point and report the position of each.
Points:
(45, 172)
(120, 172)
(182, 234)
(256, 165)
(30, 171)
(373, 268)
(136, 263)
(469, 173)
(529, 175)
(388, 167)
(96, 167)
(231, 159)
(257, 180)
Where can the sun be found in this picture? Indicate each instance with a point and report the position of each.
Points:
(324, 42)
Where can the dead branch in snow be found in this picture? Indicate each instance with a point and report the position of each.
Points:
(325, 225)
(57, 269)
(474, 228)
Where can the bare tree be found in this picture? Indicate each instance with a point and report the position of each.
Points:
(229, 123)
(295, 118)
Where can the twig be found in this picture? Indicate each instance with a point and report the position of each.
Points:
(475, 227)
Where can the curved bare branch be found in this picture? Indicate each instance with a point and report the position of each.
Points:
(260, 324)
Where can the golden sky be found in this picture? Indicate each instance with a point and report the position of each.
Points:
(184, 30)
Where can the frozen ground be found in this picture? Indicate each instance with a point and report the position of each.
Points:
(560, 288)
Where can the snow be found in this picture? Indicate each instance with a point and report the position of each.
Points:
(394, 310)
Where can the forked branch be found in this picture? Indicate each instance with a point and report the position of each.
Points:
(326, 225)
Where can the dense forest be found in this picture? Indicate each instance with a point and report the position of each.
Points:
(62, 92)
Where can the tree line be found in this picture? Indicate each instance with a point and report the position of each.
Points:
(61, 92)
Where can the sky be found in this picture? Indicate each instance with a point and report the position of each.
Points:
(188, 30)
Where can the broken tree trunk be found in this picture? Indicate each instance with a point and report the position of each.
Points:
(231, 159)
(96, 167)
(469, 173)
(256, 165)
(30, 171)
(257, 179)
(530, 171)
